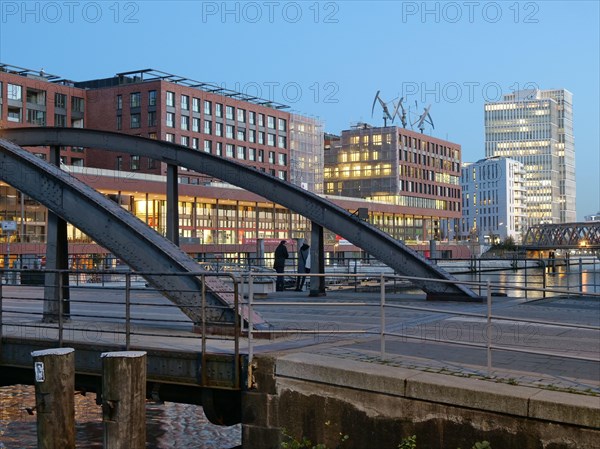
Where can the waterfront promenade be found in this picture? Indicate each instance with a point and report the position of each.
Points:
(331, 348)
(345, 324)
(425, 345)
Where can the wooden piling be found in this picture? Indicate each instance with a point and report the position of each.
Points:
(124, 399)
(54, 397)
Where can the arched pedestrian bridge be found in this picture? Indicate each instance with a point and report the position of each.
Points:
(145, 250)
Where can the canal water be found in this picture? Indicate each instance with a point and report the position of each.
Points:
(168, 425)
(574, 279)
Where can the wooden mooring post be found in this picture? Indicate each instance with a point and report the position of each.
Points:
(124, 399)
(54, 397)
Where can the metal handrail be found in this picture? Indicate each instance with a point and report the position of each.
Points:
(247, 308)
(382, 332)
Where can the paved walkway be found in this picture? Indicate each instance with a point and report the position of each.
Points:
(346, 324)
(427, 340)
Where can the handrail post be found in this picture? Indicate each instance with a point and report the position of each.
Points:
(60, 309)
(203, 327)
(488, 329)
(479, 275)
(580, 275)
(544, 279)
(236, 330)
(250, 320)
(127, 311)
(1, 306)
(526, 285)
(382, 315)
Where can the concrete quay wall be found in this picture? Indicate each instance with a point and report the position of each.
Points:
(377, 405)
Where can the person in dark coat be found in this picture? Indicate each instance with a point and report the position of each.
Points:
(303, 265)
(281, 254)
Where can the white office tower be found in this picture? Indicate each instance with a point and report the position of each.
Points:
(493, 195)
(535, 127)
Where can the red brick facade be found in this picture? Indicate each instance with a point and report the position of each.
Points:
(191, 117)
(30, 100)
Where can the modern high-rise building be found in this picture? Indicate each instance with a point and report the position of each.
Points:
(535, 127)
(492, 200)
(306, 147)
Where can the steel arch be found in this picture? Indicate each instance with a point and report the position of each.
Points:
(396, 255)
(116, 229)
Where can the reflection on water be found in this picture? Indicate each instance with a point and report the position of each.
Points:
(168, 425)
(565, 278)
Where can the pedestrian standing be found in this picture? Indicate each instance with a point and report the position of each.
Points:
(303, 265)
(281, 254)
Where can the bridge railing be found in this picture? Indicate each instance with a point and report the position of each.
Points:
(128, 314)
(388, 308)
(121, 310)
(576, 273)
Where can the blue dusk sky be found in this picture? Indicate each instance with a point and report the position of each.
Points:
(327, 59)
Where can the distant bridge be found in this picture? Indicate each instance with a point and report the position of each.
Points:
(585, 235)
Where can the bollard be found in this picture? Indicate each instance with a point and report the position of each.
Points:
(124, 399)
(54, 397)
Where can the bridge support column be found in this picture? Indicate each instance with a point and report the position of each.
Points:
(124, 399)
(172, 204)
(54, 397)
(317, 261)
(57, 258)
(260, 251)
(432, 251)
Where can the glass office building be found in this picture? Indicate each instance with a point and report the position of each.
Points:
(535, 127)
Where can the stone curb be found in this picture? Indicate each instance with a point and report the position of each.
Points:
(530, 402)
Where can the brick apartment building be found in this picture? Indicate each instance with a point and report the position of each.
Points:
(35, 98)
(201, 116)
(417, 173)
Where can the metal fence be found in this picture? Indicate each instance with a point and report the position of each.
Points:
(384, 333)
(121, 308)
(118, 309)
